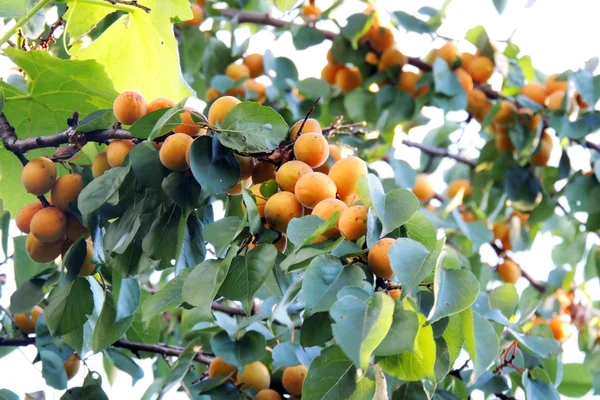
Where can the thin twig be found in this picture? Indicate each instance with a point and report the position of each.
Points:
(438, 152)
(132, 3)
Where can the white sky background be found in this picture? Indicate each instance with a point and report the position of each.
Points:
(557, 34)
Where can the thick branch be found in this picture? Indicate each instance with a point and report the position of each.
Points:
(438, 152)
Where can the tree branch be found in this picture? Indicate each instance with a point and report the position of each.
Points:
(132, 3)
(536, 285)
(438, 152)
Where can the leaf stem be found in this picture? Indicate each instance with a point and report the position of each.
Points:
(23, 20)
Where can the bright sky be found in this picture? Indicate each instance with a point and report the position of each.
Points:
(558, 35)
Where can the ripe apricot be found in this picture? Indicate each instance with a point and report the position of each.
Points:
(348, 78)
(554, 101)
(88, 267)
(395, 293)
(502, 233)
(66, 190)
(42, 252)
(466, 59)
(48, 224)
(260, 93)
(129, 106)
(267, 394)
(528, 119)
(448, 52)
(311, 11)
(353, 222)
(117, 150)
(503, 143)
(325, 209)
(310, 126)
(481, 69)
(465, 79)
(72, 365)
(476, 101)
(218, 367)
(313, 188)
(408, 82)
(172, 153)
(100, 164)
(74, 228)
(187, 126)
(160, 103)
(506, 113)
(561, 328)
(423, 189)
(345, 174)
(25, 214)
(289, 173)
(27, 323)
(460, 184)
(542, 155)
(259, 199)
(553, 84)
(312, 149)
(281, 208)
(201, 3)
(246, 166)
(391, 57)
(263, 171)
(381, 38)
(335, 152)
(237, 189)
(509, 271)
(212, 94)
(254, 375)
(371, 58)
(379, 260)
(197, 16)
(220, 108)
(255, 65)
(39, 176)
(237, 71)
(534, 91)
(329, 72)
(293, 378)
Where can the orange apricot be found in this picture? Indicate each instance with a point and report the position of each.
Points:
(42, 252)
(381, 38)
(391, 57)
(506, 113)
(353, 222)
(173, 151)
(281, 208)
(311, 11)
(466, 59)
(66, 190)
(448, 52)
(254, 375)
(476, 101)
(237, 71)
(502, 233)
(74, 228)
(39, 176)
(542, 155)
(117, 150)
(345, 174)
(129, 106)
(348, 78)
(561, 328)
(312, 149)
(187, 126)
(379, 260)
(458, 185)
(325, 209)
(48, 224)
(27, 323)
(255, 65)
(218, 367)
(481, 69)
(263, 171)
(246, 166)
(310, 126)
(535, 92)
(25, 214)
(88, 267)
(289, 173)
(197, 16)
(100, 164)
(212, 94)
(259, 199)
(465, 79)
(503, 143)
(293, 379)
(371, 58)
(509, 271)
(219, 109)
(423, 188)
(554, 101)
(395, 293)
(160, 103)
(329, 72)
(267, 394)
(313, 188)
(553, 84)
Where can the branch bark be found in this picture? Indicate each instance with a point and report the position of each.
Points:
(438, 152)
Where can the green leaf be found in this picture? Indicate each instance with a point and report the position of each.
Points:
(538, 390)
(167, 225)
(522, 188)
(13, 9)
(411, 262)
(414, 24)
(247, 274)
(306, 37)
(181, 367)
(68, 307)
(167, 298)
(445, 80)
(222, 232)
(102, 190)
(82, 17)
(125, 364)
(581, 191)
(500, 5)
(361, 326)
(252, 128)
(324, 278)
(108, 330)
(183, 190)
(331, 376)
(421, 229)
(399, 205)
(356, 26)
(284, 355)
(145, 40)
(577, 380)
(479, 37)
(404, 174)
(504, 298)
(193, 248)
(481, 341)
(213, 165)
(25, 268)
(316, 330)
(53, 370)
(6, 394)
(314, 88)
(97, 120)
(249, 348)
(127, 292)
(592, 265)
(402, 334)
(81, 338)
(302, 257)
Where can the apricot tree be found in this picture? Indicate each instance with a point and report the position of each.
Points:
(260, 247)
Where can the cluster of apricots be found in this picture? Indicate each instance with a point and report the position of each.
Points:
(256, 376)
(244, 73)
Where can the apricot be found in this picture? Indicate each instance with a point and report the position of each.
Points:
(39, 176)
(237, 189)
(218, 367)
(395, 293)
(481, 69)
(254, 375)
(100, 164)
(201, 3)
(259, 199)
(25, 214)
(505, 114)
(381, 38)
(72, 365)
(258, 88)
(449, 53)
(535, 92)
(48, 224)
(379, 260)
(27, 323)
(219, 109)
(313, 188)
(353, 222)
(159, 104)
(172, 153)
(312, 149)
(423, 189)
(293, 378)
(246, 166)
(329, 72)
(466, 59)
(335, 152)
(212, 94)
(129, 106)
(408, 82)
(561, 328)
(542, 154)
(267, 394)
(509, 271)
(263, 171)
(391, 57)
(371, 58)
(351, 200)
(465, 79)
(554, 101)
(348, 78)
(460, 184)
(187, 126)
(345, 174)
(237, 71)
(42, 252)
(503, 143)
(528, 119)
(88, 267)
(476, 101)
(310, 126)
(553, 84)
(74, 228)
(237, 91)
(281, 208)
(502, 233)
(325, 209)
(311, 11)
(66, 190)
(117, 150)
(254, 63)
(289, 173)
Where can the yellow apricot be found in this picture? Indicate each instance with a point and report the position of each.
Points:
(212, 94)
(381, 38)
(25, 214)
(48, 224)
(408, 82)
(345, 174)
(237, 71)
(542, 155)
(481, 69)
(312, 149)
(311, 11)
(502, 233)
(88, 267)
(329, 72)
(246, 166)
(267, 394)
(117, 150)
(187, 126)
(353, 222)
(259, 199)
(371, 58)
(449, 52)
(258, 88)
(100, 164)
(66, 190)
(509, 271)
(506, 113)
(395, 293)
(198, 16)
(391, 57)
(503, 143)
(423, 189)
(42, 252)
(555, 99)
(335, 152)
(379, 260)
(348, 78)
(218, 367)
(313, 188)
(465, 79)
(310, 126)
(460, 184)
(27, 323)
(553, 84)
(289, 173)
(534, 91)
(254, 63)
(263, 171)
(39, 176)
(129, 106)
(351, 200)
(74, 228)
(281, 208)
(220, 108)
(561, 328)
(254, 375)
(325, 209)
(476, 101)
(173, 151)
(160, 103)
(237, 189)
(293, 379)
(466, 60)
(72, 365)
